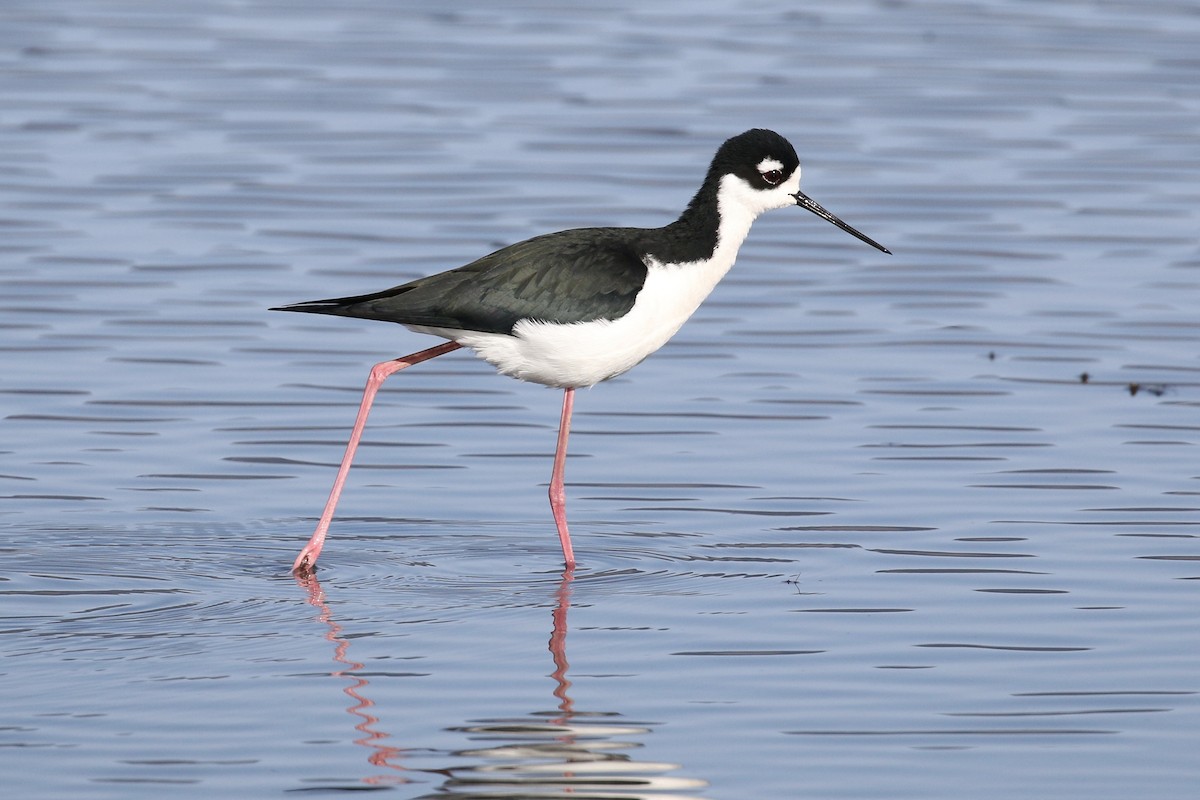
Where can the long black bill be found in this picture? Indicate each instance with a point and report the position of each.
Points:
(804, 201)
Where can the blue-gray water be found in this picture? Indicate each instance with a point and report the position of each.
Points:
(918, 526)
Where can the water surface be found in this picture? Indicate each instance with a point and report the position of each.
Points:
(914, 526)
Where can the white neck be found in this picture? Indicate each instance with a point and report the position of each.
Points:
(737, 212)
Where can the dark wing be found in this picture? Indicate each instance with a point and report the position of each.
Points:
(570, 276)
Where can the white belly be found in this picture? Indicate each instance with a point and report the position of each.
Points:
(584, 353)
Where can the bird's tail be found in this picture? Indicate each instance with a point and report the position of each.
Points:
(358, 306)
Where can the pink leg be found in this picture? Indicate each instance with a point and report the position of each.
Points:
(307, 559)
(558, 495)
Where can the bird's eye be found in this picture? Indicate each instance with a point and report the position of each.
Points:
(773, 176)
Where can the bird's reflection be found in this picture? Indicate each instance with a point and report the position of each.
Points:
(382, 755)
(562, 753)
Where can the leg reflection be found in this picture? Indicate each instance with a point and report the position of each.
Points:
(382, 755)
(558, 753)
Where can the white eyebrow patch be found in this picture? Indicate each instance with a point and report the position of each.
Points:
(768, 164)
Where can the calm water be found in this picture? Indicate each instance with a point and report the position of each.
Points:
(920, 526)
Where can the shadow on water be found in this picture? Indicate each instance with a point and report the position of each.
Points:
(560, 753)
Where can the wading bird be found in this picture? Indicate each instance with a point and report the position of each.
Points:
(577, 307)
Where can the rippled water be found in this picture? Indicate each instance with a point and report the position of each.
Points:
(914, 526)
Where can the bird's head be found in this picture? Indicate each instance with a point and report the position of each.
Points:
(759, 171)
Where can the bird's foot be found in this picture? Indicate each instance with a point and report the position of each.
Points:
(306, 562)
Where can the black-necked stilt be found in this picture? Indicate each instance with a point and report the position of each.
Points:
(574, 308)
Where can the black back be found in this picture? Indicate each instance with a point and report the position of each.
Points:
(571, 276)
